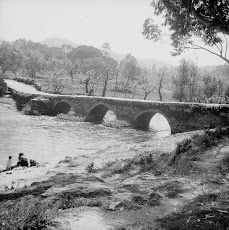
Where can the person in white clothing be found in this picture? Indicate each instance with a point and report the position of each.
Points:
(9, 163)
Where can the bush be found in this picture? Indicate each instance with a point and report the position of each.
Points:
(3, 87)
(28, 214)
(90, 168)
(25, 80)
(189, 149)
(205, 212)
(28, 82)
(140, 163)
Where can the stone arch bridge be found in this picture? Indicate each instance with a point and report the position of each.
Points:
(181, 117)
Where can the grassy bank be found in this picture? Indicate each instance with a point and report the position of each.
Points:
(45, 84)
(28, 213)
(202, 162)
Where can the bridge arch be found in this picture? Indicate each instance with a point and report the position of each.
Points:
(143, 118)
(97, 112)
(61, 107)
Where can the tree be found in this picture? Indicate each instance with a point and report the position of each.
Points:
(205, 19)
(109, 66)
(57, 75)
(33, 63)
(66, 48)
(57, 84)
(72, 68)
(53, 63)
(106, 49)
(145, 84)
(10, 58)
(84, 52)
(3, 86)
(193, 81)
(90, 76)
(103, 68)
(161, 77)
(160, 87)
(220, 87)
(181, 81)
(210, 86)
(109, 69)
(226, 94)
(80, 59)
(130, 72)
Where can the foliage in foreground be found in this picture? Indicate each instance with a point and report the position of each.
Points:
(187, 19)
(28, 214)
(205, 212)
(137, 164)
(189, 149)
(3, 87)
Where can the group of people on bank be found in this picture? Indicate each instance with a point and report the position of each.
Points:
(22, 162)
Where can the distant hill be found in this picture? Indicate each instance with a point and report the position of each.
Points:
(207, 69)
(117, 57)
(148, 63)
(57, 42)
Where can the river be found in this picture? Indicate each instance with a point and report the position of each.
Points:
(49, 139)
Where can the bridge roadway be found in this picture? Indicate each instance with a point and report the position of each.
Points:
(181, 116)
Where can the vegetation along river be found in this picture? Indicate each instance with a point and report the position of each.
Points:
(49, 139)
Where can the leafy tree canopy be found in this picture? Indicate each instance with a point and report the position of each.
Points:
(187, 18)
(83, 52)
(10, 57)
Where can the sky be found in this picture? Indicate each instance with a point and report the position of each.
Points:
(91, 22)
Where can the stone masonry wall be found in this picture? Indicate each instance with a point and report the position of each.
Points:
(181, 116)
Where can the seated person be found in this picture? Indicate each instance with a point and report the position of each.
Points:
(33, 163)
(22, 161)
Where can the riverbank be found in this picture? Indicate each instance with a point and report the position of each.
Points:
(141, 189)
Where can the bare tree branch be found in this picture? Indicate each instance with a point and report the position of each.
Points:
(226, 45)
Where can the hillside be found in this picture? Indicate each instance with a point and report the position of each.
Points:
(57, 42)
(148, 63)
(207, 69)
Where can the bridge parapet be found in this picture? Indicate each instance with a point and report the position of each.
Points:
(180, 116)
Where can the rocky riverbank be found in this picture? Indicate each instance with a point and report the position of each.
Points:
(159, 186)
(133, 194)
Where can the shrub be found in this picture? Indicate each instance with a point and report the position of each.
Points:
(25, 80)
(28, 214)
(226, 161)
(140, 163)
(68, 200)
(90, 168)
(188, 149)
(3, 87)
(205, 212)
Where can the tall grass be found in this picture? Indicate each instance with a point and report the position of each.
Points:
(28, 214)
(3, 87)
(189, 150)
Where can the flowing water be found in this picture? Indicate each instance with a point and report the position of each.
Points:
(47, 139)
